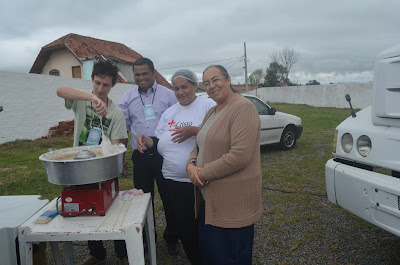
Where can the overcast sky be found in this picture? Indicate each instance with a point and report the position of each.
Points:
(337, 40)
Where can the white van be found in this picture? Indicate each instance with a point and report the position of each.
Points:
(363, 178)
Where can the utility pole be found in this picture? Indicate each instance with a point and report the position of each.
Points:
(245, 69)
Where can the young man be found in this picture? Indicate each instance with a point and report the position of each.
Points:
(89, 107)
(143, 106)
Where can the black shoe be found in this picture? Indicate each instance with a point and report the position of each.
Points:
(173, 248)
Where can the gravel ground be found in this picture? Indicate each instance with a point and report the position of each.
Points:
(293, 232)
(328, 236)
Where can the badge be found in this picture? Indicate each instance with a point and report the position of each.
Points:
(94, 136)
(149, 113)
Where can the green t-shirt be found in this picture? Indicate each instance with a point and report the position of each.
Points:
(114, 124)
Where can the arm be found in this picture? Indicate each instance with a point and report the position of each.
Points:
(244, 137)
(184, 133)
(69, 93)
(194, 174)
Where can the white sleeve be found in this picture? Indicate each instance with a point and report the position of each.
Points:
(209, 104)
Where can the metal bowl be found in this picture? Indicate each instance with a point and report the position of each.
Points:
(62, 169)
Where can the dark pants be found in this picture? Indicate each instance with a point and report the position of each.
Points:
(181, 202)
(146, 169)
(220, 246)
(97, 249)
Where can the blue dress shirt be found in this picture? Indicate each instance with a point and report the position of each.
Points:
(132, 105)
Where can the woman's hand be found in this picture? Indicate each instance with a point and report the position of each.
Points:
(194, 174)
(184, 133)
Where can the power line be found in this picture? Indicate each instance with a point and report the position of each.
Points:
(234, 58)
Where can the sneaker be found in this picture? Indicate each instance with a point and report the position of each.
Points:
(124, 261)
(92, 260)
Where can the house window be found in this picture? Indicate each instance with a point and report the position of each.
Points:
(76, 72)
(54, 72)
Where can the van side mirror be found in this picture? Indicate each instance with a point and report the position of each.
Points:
(272, 111)
(348, 98)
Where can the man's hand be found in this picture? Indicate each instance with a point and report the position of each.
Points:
(144, 140)
(184, 133)
(194, 174)
(141, 141)
(99, 105)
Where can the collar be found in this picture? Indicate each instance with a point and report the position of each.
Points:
(150, 89)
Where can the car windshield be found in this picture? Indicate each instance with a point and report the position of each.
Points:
(261, 107)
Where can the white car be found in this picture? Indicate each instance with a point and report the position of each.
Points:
(276, 127)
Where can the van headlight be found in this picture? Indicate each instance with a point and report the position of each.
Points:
(364, 145)
(335, 141)
(347, 142)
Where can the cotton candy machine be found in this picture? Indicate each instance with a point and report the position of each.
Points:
(88, 175)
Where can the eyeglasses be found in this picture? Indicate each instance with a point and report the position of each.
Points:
(213, 81)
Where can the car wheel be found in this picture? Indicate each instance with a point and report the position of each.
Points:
(288, 138)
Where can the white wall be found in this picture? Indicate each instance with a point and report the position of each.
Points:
(319, 96)
(31, 105)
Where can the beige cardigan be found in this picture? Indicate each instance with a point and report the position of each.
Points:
(232, 165)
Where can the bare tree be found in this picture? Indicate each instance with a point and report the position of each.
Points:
(256, 76)
(287, 57)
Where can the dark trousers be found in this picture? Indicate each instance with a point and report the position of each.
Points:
(146, 169)
(220, 246)
(181, 202)
(97, 249)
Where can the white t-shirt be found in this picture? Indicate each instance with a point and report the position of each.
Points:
(176, 154)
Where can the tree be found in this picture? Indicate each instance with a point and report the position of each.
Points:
(256, 76)
(286, 57)
(275, 74)
(312, 83)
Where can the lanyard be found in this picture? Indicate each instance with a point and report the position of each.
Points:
(155, 90)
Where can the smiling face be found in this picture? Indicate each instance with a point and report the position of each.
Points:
(218, 87)
(144, 77)
(102, 85)
(185, 91)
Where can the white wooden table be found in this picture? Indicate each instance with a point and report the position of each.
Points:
(124, 220)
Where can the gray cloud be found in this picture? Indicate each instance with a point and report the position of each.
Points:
(337, 40)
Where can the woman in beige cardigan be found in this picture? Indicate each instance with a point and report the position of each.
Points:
(225, 167)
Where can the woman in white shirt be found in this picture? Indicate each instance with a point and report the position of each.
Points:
(174, 140)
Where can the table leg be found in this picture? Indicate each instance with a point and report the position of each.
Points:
(56, 252)
(25, 248)
(149, 227)
(134, 245)
(68, 252)
(26, 253)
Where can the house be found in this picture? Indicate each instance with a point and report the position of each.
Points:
(73, 56)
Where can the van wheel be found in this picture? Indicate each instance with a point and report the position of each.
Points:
(288, 138)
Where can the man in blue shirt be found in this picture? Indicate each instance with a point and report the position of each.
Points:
(143, 106)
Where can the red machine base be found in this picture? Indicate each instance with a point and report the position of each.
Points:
(91, 199)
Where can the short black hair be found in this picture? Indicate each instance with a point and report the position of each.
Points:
(144, 61)
(105, 69)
